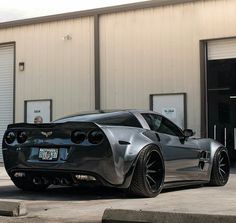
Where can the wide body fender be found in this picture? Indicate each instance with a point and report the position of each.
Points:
(126, 144)
(211, 146)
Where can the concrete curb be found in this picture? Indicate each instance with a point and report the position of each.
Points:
(132, 216)
(12, 209)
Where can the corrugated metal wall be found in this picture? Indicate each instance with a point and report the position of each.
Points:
(6, 88)
(143, 52)
(156, 50)
(57, 69)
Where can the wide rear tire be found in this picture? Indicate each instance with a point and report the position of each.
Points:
(149, 173)
(220, 168)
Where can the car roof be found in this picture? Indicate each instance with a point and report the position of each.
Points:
(133, 111)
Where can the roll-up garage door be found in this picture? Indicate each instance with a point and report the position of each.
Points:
(221, 49)
(6, 89)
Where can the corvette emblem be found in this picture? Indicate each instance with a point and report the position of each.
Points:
(46, 134)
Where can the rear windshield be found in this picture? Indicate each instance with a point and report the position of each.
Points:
(114, 118)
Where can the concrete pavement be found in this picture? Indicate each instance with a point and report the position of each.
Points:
(79, 204)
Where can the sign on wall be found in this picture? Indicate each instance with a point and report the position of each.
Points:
(172, 106)
(38, 111)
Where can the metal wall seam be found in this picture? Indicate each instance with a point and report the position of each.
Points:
(97, 84)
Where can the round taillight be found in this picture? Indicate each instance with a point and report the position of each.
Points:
(95, 136)
(21, 137)
(78, 137)
(10, 137)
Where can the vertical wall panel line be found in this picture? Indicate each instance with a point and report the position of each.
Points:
(97, 63)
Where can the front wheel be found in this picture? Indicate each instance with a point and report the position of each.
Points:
(148, 178)
(220, 168)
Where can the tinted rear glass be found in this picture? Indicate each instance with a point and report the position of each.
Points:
(114, 118)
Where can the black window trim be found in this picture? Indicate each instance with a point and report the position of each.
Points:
(181, 131)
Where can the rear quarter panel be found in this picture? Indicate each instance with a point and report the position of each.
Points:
(126, 143)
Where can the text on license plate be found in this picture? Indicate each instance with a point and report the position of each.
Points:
(48, 154)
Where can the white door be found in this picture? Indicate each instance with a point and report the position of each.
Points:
(6, 89)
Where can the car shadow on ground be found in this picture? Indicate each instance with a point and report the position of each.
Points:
(233, 170)
(62, 193)
(77, 193)
(181, 188)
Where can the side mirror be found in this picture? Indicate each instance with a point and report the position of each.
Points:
(188, 133)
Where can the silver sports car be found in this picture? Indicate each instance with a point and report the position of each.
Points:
(141, 151)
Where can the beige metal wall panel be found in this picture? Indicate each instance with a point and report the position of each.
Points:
(57, 69)
(157, 50)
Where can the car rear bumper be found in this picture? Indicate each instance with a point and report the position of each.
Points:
(95, 162)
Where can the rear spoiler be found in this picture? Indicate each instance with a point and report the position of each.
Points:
(52, 125)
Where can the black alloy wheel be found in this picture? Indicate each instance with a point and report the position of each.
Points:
(149, 173)
(154, 171)
(221, 168)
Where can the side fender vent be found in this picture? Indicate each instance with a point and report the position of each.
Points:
(123, 142)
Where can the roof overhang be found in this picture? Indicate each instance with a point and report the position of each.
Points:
(92, 12)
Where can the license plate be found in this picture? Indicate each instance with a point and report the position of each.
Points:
(48, 154)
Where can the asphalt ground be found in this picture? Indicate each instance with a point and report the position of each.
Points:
(87, 204)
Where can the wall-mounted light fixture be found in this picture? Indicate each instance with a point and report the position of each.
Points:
(21, 66)
(67, 37)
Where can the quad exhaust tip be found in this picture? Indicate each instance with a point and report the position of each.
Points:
(64, 181)
(56, 181)
(37, 181)
(85, 177)
(40, 181)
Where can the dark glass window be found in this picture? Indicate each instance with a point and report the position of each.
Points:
(221, 75)
(112, 118)
(154, 121)
(125, 119)
(160, 124)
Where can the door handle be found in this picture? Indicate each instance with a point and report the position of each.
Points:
(232, 97)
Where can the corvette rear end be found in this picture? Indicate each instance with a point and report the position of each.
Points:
(59, 153)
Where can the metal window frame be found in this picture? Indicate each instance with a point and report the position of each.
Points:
(39, 100)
